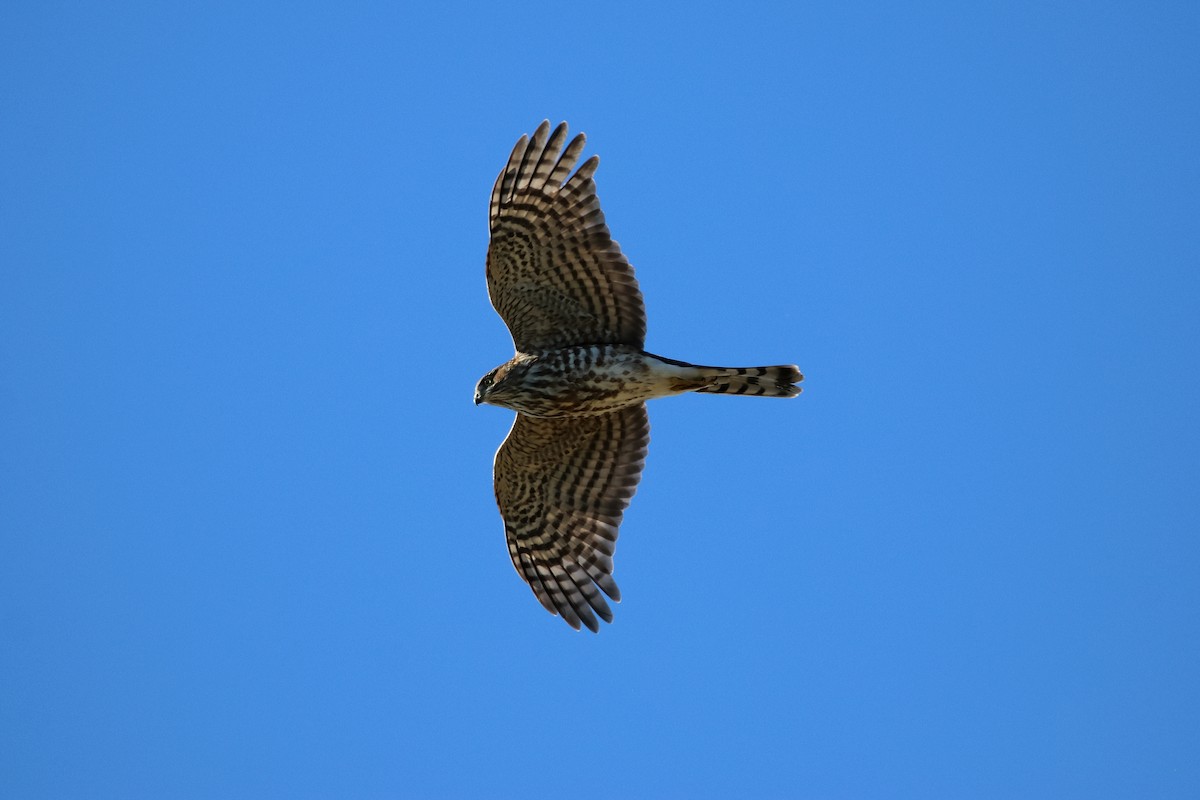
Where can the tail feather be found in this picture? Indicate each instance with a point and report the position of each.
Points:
(778, 381)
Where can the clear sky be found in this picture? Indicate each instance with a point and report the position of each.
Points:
(248, 546)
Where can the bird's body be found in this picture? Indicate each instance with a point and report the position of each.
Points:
(585, 380)
(580, 378)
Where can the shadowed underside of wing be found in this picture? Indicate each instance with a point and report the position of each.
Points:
(555, 275)
(562, 486)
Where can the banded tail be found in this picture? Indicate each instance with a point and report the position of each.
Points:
(779, 381)
(776, 381)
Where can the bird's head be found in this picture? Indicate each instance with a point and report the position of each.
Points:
(485, 386)
(498, 386)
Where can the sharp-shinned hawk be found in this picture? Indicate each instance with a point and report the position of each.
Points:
(580, 378)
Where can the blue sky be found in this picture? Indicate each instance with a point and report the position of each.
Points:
(248, 546)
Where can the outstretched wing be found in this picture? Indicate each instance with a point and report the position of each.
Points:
(562, 486)
(554, 273)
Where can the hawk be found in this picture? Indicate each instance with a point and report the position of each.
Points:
(579, 380)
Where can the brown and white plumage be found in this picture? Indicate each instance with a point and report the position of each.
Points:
(554, 273)
(580, 378)
(562, 486)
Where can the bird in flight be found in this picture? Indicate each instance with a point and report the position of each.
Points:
(579, 380)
